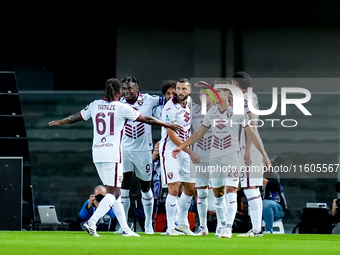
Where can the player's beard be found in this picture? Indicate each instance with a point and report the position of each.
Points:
(183, 99)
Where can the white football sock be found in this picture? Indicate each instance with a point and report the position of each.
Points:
(120, 214)
(220, 210)
(125, 198)
(148, 202)
(103, 207)
(183, 208)
(231, 208)
(171, 210)
(202, 206)
(255, 209)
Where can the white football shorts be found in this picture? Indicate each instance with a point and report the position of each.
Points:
(175, 170)
(139, 162)
(252, 175)
(201, 173)
(225, 170)
(110, 173)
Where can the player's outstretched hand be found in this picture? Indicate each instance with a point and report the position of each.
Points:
(175, 127)
(175, 152)
(201, 84)
(55, 123)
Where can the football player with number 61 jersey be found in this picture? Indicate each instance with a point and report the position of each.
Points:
(109, 117)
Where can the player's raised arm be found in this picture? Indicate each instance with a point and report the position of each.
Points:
(155, 122)
(252, 136)
(75, 117)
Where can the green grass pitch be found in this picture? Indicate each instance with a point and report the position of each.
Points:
(64, 242)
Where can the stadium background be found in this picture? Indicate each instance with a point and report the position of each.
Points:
(63, 53)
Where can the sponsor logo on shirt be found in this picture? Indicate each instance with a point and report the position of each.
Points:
(103, 144)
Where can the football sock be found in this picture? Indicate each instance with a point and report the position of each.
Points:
(231, 208)
(148, 202)
(171, 209)
(226, 203)
(183, 208)
(120, 214)
(202, 206)
(103, 207)
(255, 209)
(125, 198)
(220, 210)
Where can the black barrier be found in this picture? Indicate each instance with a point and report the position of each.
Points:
(11, 169)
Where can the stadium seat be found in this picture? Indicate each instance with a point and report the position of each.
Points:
(277, 227)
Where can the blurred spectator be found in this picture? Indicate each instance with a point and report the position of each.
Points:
(274, 201)
(90, 206)
(334, 213)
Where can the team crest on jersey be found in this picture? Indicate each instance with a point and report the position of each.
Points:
(170, 175)
(140, 102)
(103, 140)
(229, 114)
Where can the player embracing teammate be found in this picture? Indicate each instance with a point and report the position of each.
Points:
(137, 148)
(109, 117)
(176, 172)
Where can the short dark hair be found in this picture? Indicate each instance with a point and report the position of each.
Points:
(112, 87)
(184, 80)
(243, 79)
(128, 79)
